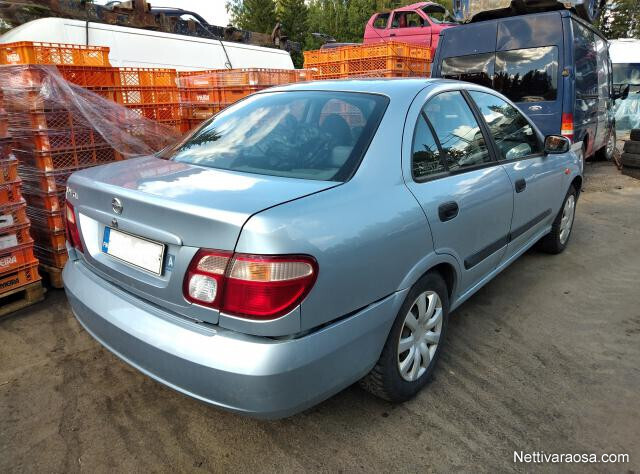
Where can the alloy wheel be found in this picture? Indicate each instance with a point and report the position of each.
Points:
(568, 213)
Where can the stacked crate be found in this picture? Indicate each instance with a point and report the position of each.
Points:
(205, 93)
(388, 59)
(18, 265)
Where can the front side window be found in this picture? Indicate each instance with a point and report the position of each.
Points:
(513, 134)
(476, 68)
(459, 136)
(407, 20)
(381, 21)
(626, 73)
(298, 134)
(527, 75)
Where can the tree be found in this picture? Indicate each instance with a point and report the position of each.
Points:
(293, 17)
(253, 15)
(620, 19)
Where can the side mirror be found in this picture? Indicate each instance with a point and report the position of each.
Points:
(555, 144)
(621, 92)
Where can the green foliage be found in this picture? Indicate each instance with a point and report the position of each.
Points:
(253, 15)
(621, 19)
(293, 17)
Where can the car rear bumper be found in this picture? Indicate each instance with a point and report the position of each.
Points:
(257, 376)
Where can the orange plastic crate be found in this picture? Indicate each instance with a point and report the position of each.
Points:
(200, 112)
(4, 124)
(14, 235)
(53, 258)
(46, 201)
(51, 240)
(229, 95)
(55, 140)
(91, 76)
(16, 257)
(51, 221)
(10, 192)
(47, 181)
(13, 214)
(19, 277)
(147, 77)
(67, 159)
(395, 63)
(6, 146)
(28, 52)
(45, 119)
(8, 170)
(147, 95)
(158, 112)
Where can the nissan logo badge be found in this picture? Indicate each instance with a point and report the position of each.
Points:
(116, 205)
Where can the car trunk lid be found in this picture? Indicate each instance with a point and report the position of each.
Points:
(184, 207)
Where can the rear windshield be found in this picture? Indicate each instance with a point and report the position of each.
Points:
(298, 134)
(523, 75)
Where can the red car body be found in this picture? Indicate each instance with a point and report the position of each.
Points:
(410, 24)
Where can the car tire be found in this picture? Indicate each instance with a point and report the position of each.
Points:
(608, 150)
(556, 241)
(635, 135)
(630, 160)
(387, 379)
(632, 147)
(589, 10)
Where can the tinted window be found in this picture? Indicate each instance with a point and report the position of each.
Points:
(527, 75)
(425, 154)
(457, 130)
(628, 73)
(511, 131)
(298, 134)
(602, 51)
(586, 62)
(381, 21)
(476, 68)
(406, 20)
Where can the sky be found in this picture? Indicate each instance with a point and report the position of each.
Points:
(213, 11)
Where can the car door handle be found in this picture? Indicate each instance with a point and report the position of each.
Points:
(448, 210)
(520, 185)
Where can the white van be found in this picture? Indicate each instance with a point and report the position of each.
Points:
(134, 47)
(625, 56)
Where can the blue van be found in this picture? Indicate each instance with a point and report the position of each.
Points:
(553, 65)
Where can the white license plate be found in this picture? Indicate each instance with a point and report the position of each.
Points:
(136, 251)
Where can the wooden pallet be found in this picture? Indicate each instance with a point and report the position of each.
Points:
(52, 275)
(21, 297)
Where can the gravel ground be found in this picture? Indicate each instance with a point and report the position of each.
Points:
(545, 358)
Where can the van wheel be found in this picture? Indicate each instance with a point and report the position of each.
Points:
(607, 151)
(414, 343)
(556, 241)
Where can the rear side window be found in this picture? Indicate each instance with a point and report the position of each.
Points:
(527, 75)
(426, 159)
(298, 134)
(459, 136)
(476, 68)
(381, 21)
(586, 60)
(512, 132)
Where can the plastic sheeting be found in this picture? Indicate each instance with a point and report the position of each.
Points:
(46, 113)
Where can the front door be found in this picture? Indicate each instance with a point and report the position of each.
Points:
(465, 194)
(536, 178)
(410, 27)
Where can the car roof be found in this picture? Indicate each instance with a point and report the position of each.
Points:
(391, 87)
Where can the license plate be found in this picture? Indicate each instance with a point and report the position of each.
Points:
(136, 251)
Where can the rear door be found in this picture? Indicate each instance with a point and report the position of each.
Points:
(466, 196)
(410, 26)
(536, 178)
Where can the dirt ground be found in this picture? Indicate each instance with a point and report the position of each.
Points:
(545, 358)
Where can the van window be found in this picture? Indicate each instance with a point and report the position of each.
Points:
(586, 60)
(603, 68)
(381, 21)
(527, 75)
(626, 73)
(476, 68)
(457, 130)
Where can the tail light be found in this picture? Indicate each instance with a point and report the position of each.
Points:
(73, 235)
(566, 128)
(250, 286)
